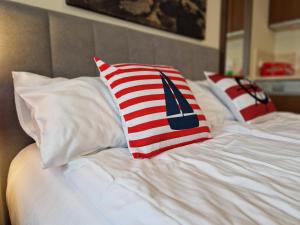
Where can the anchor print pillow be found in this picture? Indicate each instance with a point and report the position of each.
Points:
(158, 109)
(242, 96)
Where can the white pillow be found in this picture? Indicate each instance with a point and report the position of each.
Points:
(215, 111)
(243, 97)
(216, 102)
(67, 117)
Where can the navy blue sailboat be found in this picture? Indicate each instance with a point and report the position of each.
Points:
(180, 114)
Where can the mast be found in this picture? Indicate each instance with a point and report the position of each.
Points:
(177, 106)
(183, 103)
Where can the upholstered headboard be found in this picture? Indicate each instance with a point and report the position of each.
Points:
(55, 44)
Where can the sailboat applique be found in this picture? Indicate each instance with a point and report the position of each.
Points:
(180, 114)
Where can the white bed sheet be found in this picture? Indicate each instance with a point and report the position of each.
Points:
(282, 126)
(232, 179)
(37, 196)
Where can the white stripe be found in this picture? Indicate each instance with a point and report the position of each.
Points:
(145, 119)
(147, 92)
(141, 82)
(140, 73)
(156, 131)
(149, 133)
(152, 117)
(162, 144)
(159, 67)
(226, 83)
(109, 70)
(99, 63)
(185, 114)
(244, 101)
(145, 105)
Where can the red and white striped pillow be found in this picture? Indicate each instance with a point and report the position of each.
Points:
(140, 92)
(244, 98)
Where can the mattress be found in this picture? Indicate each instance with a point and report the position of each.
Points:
(231, 179)
(43, 197)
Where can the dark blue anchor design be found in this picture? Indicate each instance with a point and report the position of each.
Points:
(180, 114)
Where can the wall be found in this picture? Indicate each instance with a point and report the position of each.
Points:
(285, 42)
(288, 41)
(212, 20)
(265, 39)
(2, 211)
(234, 54)
(262, 38)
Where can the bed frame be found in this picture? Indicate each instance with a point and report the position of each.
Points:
(55, 44)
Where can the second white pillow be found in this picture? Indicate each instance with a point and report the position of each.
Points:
(67, 117)
(216, 113)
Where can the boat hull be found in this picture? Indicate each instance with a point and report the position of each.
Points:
(184, 122)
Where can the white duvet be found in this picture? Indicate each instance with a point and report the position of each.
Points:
(282, 126)
(235, 178)
(232, 179)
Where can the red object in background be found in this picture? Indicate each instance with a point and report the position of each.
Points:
(276, 69)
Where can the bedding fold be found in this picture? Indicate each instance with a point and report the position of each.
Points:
(232, 179)
(281, 126)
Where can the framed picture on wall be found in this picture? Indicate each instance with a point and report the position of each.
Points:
(184, 17)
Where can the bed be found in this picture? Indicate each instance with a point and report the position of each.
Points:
(282, 126)
(246, 174)
(222, 181)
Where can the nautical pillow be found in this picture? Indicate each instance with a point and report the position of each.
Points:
(158, 109)
(242, 96)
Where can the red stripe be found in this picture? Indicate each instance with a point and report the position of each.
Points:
(120, 65)
(116, 72)
(141, 77)
(96, 59)
(103, 67)
(145, 87)
(144, 70)
(154, 124)
(236, 91)
(148, 98)
(143, 112)
(151, 110)
(217, 77)
(150, 69)
(160, 150)
(256, 110)
(167, 136)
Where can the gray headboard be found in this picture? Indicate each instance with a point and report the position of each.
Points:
(55, 44)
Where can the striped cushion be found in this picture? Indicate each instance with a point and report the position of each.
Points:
(244, 98)
(145, 95)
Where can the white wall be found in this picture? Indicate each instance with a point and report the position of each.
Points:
(269, 41)
(288, 42)
(212, 20)
(234, 54)
(262, 38)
